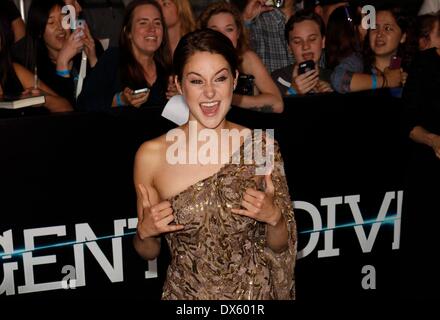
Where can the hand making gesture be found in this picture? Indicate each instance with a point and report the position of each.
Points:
(260, 205)
(154, 220)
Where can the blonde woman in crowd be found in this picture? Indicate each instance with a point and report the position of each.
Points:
(255, 89)
(179, 19)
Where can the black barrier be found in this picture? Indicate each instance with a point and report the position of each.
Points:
(68, 203)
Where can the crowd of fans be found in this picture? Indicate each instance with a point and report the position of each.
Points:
(304, 47)
(274, 43)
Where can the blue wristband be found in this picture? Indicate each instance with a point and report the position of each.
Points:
(247, 23)
(374, 81)
(291, 91)
(118, 99)
(63, 73)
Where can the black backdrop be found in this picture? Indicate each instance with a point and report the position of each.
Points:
(70, 169)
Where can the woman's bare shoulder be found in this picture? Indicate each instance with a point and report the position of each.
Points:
(250, 61)
(152, 151)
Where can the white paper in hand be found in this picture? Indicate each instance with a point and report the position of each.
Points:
(176, 110)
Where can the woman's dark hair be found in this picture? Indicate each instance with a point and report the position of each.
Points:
(131, 70)
(6, 40)
(35, 26)
(300, 16)
(406, 50)
(342, 37)
(424, 25)
(204, 40)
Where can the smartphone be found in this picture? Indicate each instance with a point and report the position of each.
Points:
(274, 3)
(137, 91)
(80, 24)
(306, 66)
(396, 62)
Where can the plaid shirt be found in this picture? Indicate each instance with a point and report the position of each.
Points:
(267, 39)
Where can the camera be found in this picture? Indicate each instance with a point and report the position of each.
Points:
(245, 85)
(274, 3)
(79, 24)
(306, 66)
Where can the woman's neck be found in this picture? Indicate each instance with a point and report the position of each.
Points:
(146, 61)
(174, 35)
(193, 124)
(381, 63)
(217, 138)
(53, 54)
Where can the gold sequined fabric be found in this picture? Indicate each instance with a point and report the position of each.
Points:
(222, 255)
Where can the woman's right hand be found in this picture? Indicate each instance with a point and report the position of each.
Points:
(253, 9)
(394, 77)
(71, 47)
(135, 100)
(155, 219)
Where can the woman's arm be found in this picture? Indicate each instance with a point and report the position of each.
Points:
(281, 236)
(421, 135)
(272, 207)
(148, 247)
(53, 102)
(391, 78)
(19, 29)
(268, 98)
(342, 74)
(154, 215)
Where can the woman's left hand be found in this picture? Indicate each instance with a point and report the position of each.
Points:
(323, 86)
(260, 205)
(33, 92)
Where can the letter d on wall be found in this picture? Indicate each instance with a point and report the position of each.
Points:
(317, 225)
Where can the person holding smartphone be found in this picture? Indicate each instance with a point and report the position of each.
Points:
(137, 73)
(53, 49)
(305, 34)
(386, 53)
